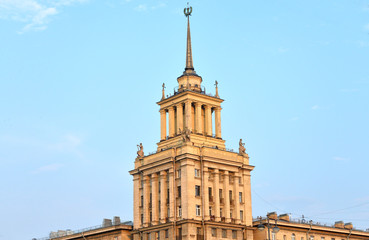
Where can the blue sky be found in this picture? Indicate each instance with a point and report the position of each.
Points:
(79, 80)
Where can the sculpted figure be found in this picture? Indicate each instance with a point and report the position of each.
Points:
(185, 134)
(140, 152)
(242, 149)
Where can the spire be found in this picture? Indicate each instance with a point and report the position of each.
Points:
(189, 63)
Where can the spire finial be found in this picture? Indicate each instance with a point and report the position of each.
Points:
(189, 63)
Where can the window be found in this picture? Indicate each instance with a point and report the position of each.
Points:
(241, 215)
(230, 195)
(234, 234)
(230, 213)
(293, 236)
(284, 237)
(273, 236)
(168, 212)
(197, 191)
(240, 196)
(302, 238)
(220, 193)
(322, 238)
(142, 201)
(148, 236)
(311, 237)
(224, 233)
(159, 206)
(179, 211)
(159, 187)
(213, 232)
(158, 234)
(179, 191)
(210, 211)
(142, 218)
(198, 210)
(197, 172)
(166, 233)
(210, 193)
(179, 173)
(150, 216)
(221, 212)
(240, 180)
(198, 231)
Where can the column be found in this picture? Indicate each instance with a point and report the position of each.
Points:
(163, 124)
(188, 115)
(171, 196)
(236, 191)
(163, 196)
(206, 193)
(136, 201)
(146, 195)
(218, 131)
(226, 196)
(198, 118)
(171, 122)
(179, 117)
(155, 199)
(216, 195)
(247, 192)
(208, 127)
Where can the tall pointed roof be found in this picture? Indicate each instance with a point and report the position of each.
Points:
(189, 70)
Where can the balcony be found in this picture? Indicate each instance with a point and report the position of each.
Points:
(231, 202)
(211, 199)
(221, 200)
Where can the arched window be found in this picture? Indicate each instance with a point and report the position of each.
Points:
(293, 237)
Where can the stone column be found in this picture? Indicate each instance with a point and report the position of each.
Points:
(198, 118)
(208, 125)
(136, 201)
(146, 195)
(163, 196)
(216, 195)
(206, 193)
(179, 117)
(236, 191)
(171, 195)
(155, 199)
(218, 131)
(163, 124)
(247, 192)
(188, 119)
(171, 122)
(226, 196)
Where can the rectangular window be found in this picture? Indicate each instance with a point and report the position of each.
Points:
(198, 231)
(159, 187)
(158, 234)
(240, 180)
(323, 238)
(142, 218)
(197, 191)
(166, 233)
(224, 233)
(198, 210)
(197, 172)
(210, 211)
(179, 211)
(273, 236)
(230, 213)
(150, 216)
(220, 195)
(148, 236)
(179, 173)
(240, 196)
(234, 234)
(241, 215)
(230, 195)
(284, 237)
(221, 212)
(213, 232)
(168, 212)
(142, 201)
(179, 191)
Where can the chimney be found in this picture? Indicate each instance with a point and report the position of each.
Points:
(284, 217)
(348, 226)
(116, 220)
(107, 222)
(338, 224)
(272, 215)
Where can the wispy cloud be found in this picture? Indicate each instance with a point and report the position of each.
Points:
(315, 107)
(35, 14)
(145, 7)
(47, 168)
(282, 49)
(340, 159)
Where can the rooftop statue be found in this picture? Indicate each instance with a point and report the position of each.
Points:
(242, 149)
(140, 152)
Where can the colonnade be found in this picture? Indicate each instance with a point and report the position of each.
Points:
(195, 116)
(158, 196)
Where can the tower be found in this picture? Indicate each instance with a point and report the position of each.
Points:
(192, 187)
